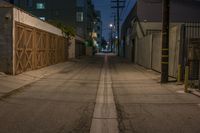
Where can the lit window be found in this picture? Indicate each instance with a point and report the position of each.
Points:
(42, 18)
(79, 16)
(40, 6)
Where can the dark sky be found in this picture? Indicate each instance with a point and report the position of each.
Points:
(106, 12)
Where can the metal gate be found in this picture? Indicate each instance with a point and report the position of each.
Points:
(190, 52)
(35, 48)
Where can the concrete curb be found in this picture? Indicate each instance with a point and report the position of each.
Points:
(195, 92)
(12, 84)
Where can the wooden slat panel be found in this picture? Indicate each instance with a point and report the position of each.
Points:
(36, 48)
(24, 48)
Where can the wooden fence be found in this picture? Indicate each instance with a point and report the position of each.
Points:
(35, 48)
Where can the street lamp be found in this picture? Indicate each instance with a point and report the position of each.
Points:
(111, 37)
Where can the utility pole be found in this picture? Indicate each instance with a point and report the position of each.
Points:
(165, 41)
(114, 31)
(118, 7)
(111, 37)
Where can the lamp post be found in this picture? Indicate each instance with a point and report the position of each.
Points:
(111, 36)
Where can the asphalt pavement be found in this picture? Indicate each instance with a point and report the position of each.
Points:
(62, 102)
(100, 94)
(146, 106)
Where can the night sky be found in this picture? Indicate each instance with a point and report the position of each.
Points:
(106, 12)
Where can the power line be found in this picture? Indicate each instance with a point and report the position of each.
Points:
(126, 8)
(118, 6)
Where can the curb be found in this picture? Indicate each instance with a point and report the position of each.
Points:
(45, 72)
(195, 92)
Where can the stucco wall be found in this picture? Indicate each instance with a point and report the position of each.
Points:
(144, 48)
(151, 26)
(156, 52)
(71, 49)
(147, 26)
(10, 15)
(174, 46)
(181, 10)
(25, 18)
(128, 52)
(6, 40)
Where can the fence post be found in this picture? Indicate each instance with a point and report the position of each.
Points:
(186, 78)
(179, 73)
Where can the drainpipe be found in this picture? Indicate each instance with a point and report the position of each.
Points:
(140, 26)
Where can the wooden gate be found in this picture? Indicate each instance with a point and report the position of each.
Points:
(35, 48)
(52, 49)
(41, 49)
(24, 48)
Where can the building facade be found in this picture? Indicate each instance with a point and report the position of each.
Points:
(98, 27)
(50, 10)
(75, 13)
(146, 18)
(141, 33)
(79, 14)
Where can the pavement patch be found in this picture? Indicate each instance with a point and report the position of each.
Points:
(180, 92)
(105, 113)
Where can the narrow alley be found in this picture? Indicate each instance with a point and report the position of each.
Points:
(100, 94)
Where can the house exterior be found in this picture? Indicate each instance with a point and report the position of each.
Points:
(141, 32)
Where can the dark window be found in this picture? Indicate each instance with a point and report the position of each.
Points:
(80, 3)
(29, 3)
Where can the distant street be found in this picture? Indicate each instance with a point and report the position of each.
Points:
(100, 94)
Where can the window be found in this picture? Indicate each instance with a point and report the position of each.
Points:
(42, 18)
(79, 31)
(56, 13)
(80, 3)
(29, 3)
(40, 6)
(79, 16)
